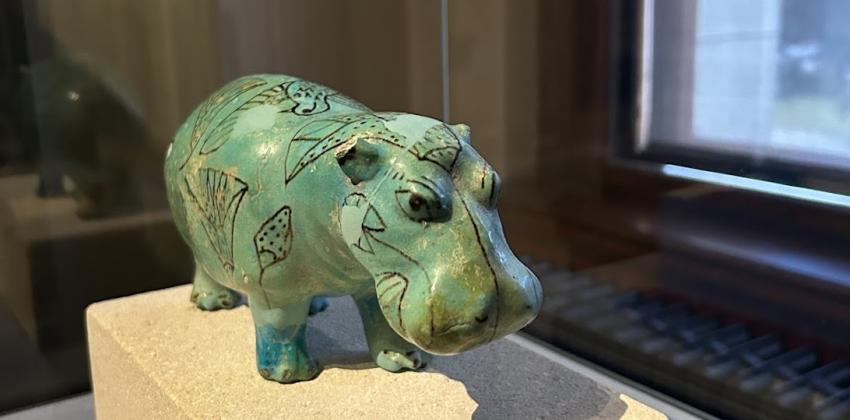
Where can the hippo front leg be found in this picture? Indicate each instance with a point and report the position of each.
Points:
(389, 351)
(281, 346)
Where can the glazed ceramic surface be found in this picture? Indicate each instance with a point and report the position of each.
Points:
(288, 191)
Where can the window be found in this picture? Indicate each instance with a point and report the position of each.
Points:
(765, 83)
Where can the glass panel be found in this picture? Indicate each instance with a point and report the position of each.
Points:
(632, 138)
(673, 171)
(94, 91)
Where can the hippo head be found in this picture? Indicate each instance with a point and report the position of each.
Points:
(422, 220)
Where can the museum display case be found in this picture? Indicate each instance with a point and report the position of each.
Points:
(675, 174)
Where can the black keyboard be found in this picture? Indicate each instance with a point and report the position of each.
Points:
(723, 368)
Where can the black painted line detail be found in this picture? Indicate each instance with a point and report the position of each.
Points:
(489, 265)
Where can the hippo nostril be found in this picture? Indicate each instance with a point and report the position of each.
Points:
(482, 319)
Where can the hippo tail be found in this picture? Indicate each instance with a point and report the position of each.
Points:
(173, 178)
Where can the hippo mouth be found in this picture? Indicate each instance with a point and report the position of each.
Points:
(455, 339)
(454, 329)
(420, 330)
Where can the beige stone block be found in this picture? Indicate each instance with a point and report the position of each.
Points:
(156, 356)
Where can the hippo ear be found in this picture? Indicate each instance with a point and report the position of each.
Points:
(360, 162)
(462, 132)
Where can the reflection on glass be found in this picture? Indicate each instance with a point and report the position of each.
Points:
(761, 79)
(93, 92)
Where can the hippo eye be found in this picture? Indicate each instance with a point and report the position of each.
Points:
(416, 202)
(422, 207)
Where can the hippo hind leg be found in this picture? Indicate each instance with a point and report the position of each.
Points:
(209, 295)
(281, 343)
(318, 304)
(389, 351)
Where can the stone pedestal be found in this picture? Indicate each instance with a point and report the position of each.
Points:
(155, 356)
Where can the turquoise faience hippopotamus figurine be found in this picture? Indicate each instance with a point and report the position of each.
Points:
(289, 192)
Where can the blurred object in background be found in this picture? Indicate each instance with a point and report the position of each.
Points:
(86, 135)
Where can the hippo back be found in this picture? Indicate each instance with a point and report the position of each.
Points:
(234, 173)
